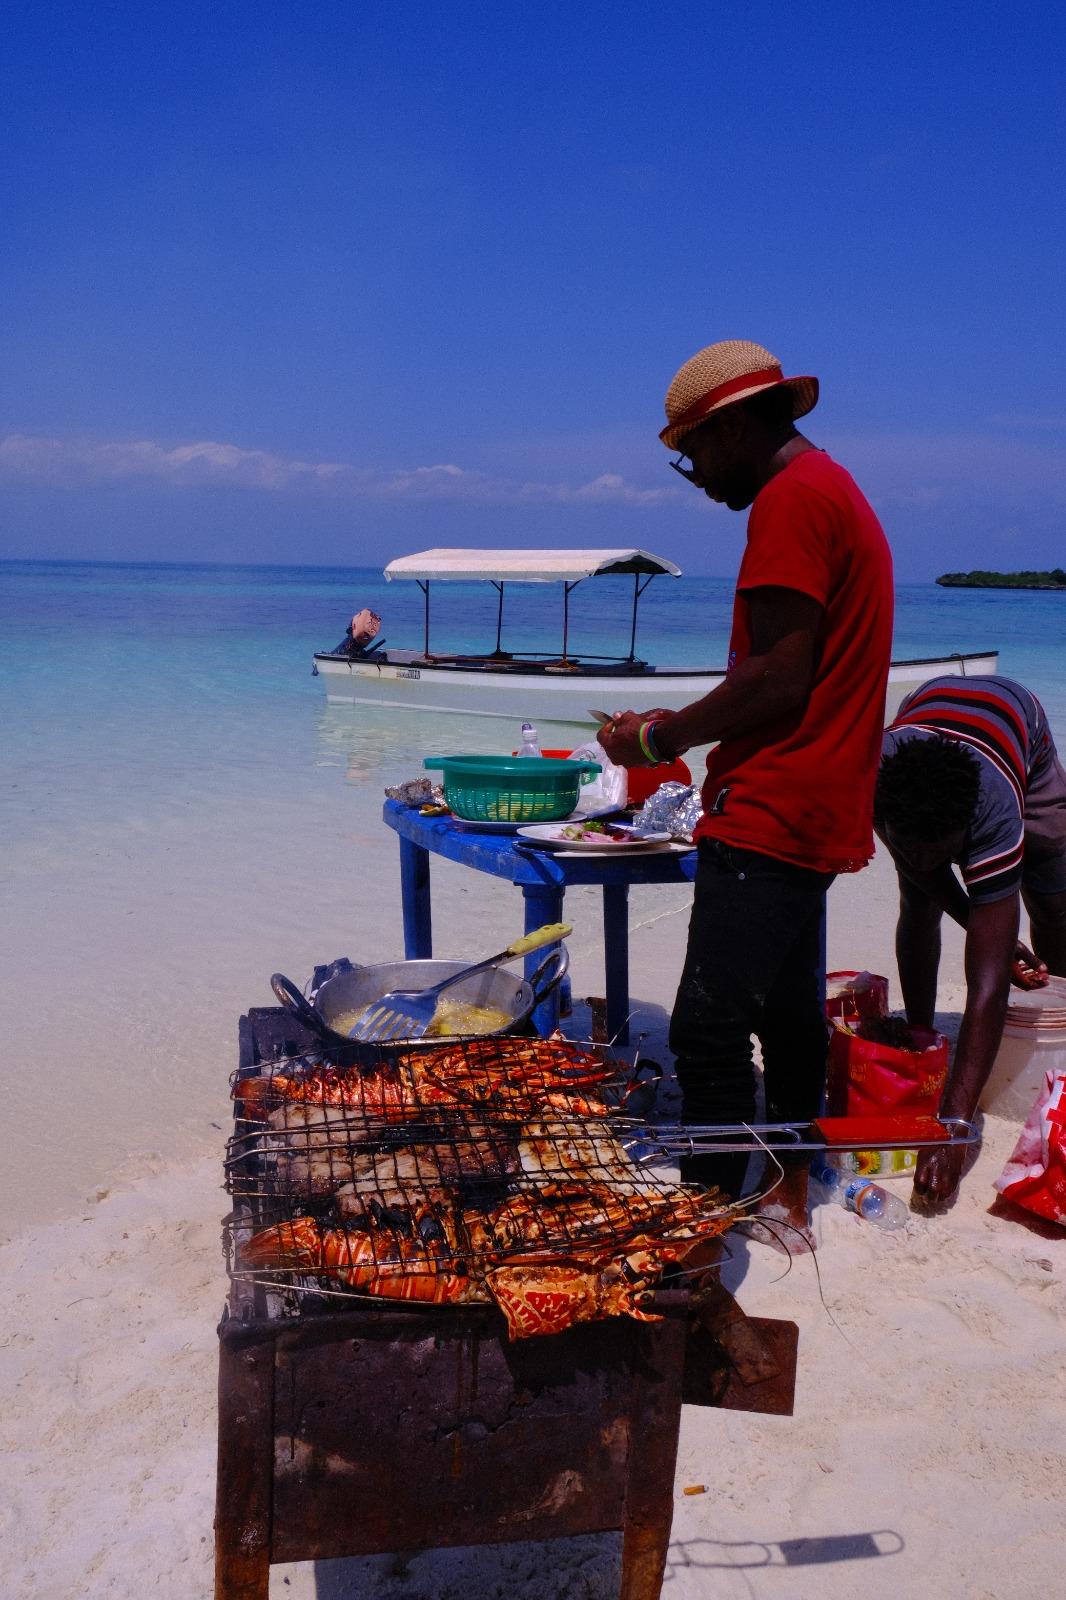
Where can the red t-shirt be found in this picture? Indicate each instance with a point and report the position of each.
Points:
(801, 788)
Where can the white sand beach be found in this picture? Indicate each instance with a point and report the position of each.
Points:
(319, 312)
(925, 1456)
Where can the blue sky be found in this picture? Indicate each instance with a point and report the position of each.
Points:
(335, 282)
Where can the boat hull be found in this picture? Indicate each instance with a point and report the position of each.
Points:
(565, 697)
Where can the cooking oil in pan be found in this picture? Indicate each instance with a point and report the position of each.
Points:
(451, 1016)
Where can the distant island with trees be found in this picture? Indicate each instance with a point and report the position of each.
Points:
(1055, 579)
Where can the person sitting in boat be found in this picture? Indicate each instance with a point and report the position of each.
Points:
(362, 631)
(969, 776)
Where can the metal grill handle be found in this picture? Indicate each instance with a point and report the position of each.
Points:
(557, 958)
(293, 1001)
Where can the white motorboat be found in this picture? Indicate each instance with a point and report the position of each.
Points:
(548, 688)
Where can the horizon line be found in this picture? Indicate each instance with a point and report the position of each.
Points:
(306, 566)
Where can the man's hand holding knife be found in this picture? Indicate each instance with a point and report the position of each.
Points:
(620, 736)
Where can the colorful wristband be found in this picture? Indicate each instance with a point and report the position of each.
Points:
(646, 739)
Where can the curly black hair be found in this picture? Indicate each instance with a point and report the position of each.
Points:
(927, 789)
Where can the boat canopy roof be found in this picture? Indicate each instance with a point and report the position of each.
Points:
(526, 566)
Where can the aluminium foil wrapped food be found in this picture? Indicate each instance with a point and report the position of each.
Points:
(674, 808)
(416, 792)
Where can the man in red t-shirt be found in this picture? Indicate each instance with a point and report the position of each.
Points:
(788, 801)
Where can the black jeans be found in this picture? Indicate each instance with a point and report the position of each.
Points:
(753, 966)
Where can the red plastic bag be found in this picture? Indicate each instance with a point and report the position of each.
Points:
(866, 1077)
(644, 781)
(856, 995)
(1035, 1175)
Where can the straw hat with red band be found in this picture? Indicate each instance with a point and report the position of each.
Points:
(721, 375)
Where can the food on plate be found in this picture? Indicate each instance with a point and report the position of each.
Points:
(607, 832)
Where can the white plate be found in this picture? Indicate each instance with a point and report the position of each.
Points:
(551, 834)
(584, 854)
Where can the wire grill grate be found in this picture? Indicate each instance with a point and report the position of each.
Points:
(417, 1174)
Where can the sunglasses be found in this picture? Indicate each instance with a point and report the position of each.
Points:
(689, 473)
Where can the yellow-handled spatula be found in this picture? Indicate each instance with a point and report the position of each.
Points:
(407, 1013)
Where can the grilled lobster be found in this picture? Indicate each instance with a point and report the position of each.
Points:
(377, 1259)
(512, 1078)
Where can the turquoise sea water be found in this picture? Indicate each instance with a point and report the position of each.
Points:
(208, 657)
(182, 814)
(132, 688)
(158, 697)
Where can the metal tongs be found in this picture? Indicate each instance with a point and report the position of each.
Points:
(898, 1131)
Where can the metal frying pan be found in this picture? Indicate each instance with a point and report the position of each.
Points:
(350, 990)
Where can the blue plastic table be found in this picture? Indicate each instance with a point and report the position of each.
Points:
(543, 877)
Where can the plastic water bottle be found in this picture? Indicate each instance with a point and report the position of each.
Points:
(868, 1200)
(530, 742)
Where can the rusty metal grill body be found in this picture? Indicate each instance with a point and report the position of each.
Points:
(366, 1426)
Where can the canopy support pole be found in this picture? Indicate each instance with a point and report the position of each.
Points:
(424, 586)
(638, 590)
(566, 616)
(499, 615)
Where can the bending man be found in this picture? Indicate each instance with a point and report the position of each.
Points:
(970, 776)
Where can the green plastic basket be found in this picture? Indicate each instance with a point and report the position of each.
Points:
(511, 788)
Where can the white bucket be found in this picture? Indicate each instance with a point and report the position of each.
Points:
(1034, 1042)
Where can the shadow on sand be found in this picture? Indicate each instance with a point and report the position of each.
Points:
(589, 1566)
(560, 1569)
(708, 1554)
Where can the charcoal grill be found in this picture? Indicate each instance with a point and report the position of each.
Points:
(478, 1171)
(351, 1424)
(358, 1426)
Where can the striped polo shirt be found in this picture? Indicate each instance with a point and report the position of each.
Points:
(1005, 728)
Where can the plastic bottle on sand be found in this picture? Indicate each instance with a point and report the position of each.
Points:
(530, 743)
(868, 1200)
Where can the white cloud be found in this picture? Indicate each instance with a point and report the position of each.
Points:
(609, 487)
(902, 470)
(77, 463)
(73, 461)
